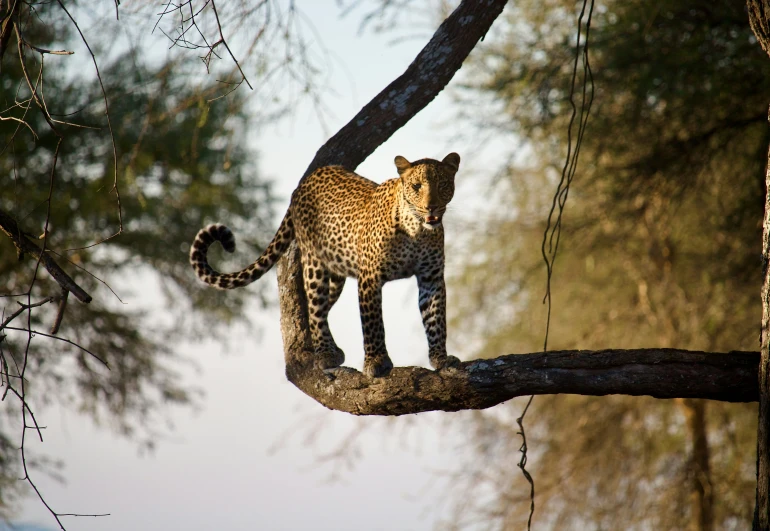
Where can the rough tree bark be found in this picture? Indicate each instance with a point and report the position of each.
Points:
(762, 510)
(759, 18)
(479, 384)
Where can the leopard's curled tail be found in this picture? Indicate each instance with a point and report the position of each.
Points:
(220, 233)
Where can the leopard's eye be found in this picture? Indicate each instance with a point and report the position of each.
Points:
(416, 187)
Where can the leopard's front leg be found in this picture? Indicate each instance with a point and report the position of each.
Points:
(376, 360)
(433, 310)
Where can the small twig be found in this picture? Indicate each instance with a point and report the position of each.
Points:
(87, 272)
(23, 116)
(109, 125)
(33, 86)
(60, 312)
(34, 420)
(78, 514)
(22, 383)
(23, 308)
(41, 51)
(22, 122)
(233, 89)
(37, 332)
(223, 41)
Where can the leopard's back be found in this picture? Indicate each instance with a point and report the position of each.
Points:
(332, 210)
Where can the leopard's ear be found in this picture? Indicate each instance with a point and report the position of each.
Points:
(402, 164)
(453, 161)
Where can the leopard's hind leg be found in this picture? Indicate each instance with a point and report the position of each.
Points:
(320, 299)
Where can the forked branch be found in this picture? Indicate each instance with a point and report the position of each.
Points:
(482, 383)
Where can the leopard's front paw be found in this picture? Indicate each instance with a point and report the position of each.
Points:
(377, 366)
(440, 361)
(329, 359)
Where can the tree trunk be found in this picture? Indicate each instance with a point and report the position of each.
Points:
(759, 19)
(762, 510)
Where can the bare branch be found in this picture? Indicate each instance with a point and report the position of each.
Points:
(25, 245)
(479, 384)
(21, 122)
(223, 42)
(69, 342)
(41, 51)
(23, 308)
(34, 86)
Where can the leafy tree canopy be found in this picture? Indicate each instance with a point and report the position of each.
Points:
(182, 162)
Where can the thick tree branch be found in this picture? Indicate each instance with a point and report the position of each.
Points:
(413, 90)
(479, 384)
(25, 245)
(428, 74)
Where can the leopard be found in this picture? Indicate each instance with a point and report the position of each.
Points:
(347, 226)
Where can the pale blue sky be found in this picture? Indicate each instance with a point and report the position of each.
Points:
(215, 470)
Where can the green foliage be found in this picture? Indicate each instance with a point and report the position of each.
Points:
(660, 247)
(182, 162)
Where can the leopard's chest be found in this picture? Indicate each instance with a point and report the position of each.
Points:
(404, 255)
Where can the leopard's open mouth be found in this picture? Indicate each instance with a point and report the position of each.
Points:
(432, 220)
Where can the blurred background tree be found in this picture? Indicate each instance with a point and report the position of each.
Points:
(183, 161)
(660, 248)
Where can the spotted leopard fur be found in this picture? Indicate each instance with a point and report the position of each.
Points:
(348, 226)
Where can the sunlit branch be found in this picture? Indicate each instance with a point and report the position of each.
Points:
(479, 384)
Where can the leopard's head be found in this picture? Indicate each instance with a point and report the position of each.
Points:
(428, 186)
